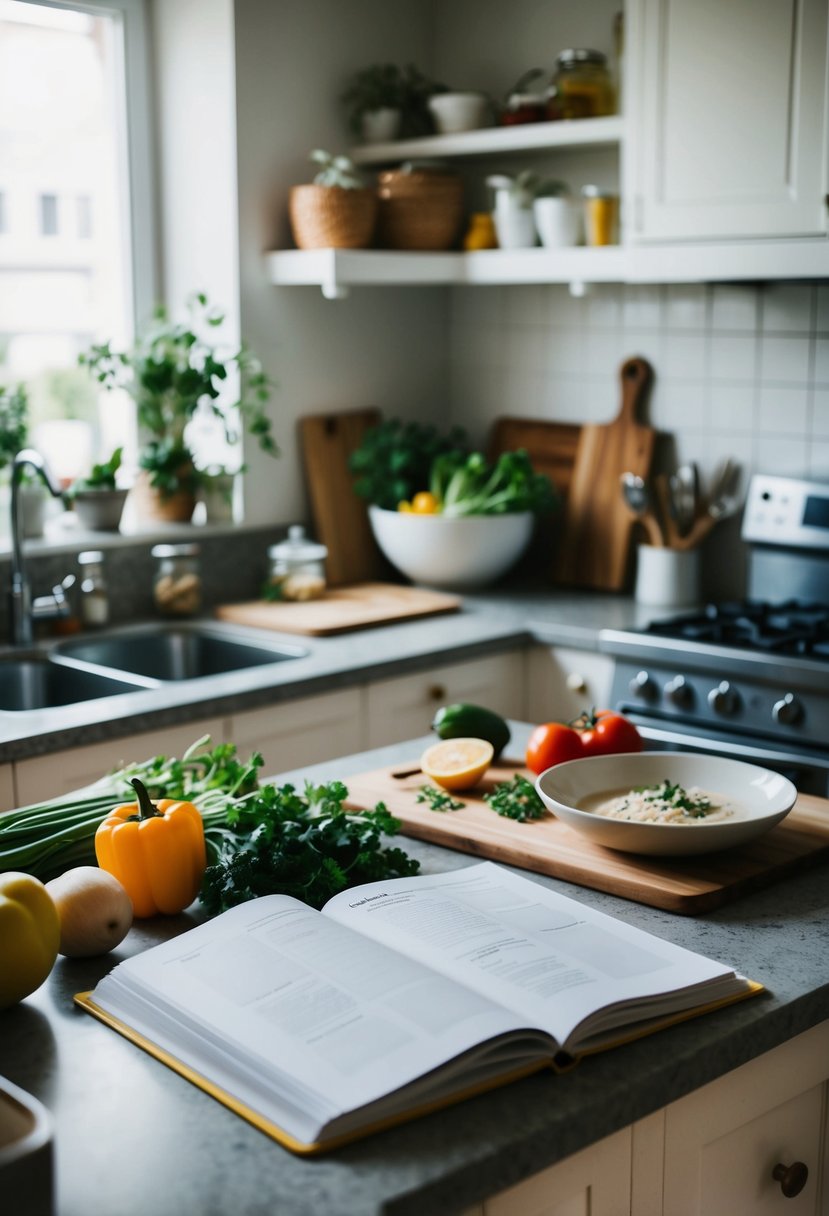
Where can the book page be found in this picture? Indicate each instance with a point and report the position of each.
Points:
(301, 1005)
(549, 958)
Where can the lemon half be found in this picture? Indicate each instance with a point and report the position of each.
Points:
(457, 764)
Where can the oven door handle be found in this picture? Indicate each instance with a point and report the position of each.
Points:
(731, 747)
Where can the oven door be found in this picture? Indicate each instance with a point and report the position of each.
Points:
(807, 769)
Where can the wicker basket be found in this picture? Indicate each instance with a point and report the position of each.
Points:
(329, 217)
(420, 210)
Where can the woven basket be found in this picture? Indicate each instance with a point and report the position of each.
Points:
(329, 217)
(421, 210)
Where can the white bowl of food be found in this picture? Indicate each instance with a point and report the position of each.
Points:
(666, 803)
(451, 551)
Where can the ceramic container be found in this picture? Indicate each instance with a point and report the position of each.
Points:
(557, 221)
(378, 126)
(454, 112)
(667, 578)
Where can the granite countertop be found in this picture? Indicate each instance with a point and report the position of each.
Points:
(485, 624)
(132, 1137)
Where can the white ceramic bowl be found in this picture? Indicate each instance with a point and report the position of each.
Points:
(454, 112)
(766, 797)
(470, 551)
(557, 221)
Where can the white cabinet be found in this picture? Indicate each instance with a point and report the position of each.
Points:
(306, 731)
(562, 682)
(50, 776)
(403, 707)
(712, 1153)
(7, 794)
(728, 131)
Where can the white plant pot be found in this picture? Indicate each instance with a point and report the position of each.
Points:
(470, 551)
(558, 222)
(380, 125)
(514, 225)
(32, 503)
(454, 112)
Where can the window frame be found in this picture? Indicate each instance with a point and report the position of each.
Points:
(138, 147)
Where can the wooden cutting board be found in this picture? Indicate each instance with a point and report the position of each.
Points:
(598, 528)
(547, 846)
(551, 446)
(340, 517)
(342, 609)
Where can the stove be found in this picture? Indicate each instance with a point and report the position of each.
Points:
(748, 678)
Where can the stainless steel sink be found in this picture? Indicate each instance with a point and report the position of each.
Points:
(176, 652)
(38, 683)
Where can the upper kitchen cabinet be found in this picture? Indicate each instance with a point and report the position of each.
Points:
(728, 123)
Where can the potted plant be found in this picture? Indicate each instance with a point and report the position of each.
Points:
(385, 101)
(173, 371)
(14, 436)
(514, 201)
(336, 211)
(96, 499)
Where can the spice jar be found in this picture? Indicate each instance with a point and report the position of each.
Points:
(601, 216)
(94, 595)
(583, 85)
(297, 568)
(177, 589)
(481, 232)
(524, 107)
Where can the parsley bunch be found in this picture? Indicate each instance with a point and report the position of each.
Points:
(516, 799)
(302, 844)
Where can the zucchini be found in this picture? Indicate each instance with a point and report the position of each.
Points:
(465, 721)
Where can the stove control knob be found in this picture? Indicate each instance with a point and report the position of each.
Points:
(679, 693)
(643, 686)
(787, 711)
(724, 699)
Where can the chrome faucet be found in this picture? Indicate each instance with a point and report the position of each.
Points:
(23, 610)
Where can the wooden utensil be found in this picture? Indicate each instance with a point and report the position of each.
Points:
(686, 885)
(340, 517)
(597, 534)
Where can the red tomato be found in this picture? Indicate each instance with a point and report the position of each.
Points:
(604, 733)
(551, 743)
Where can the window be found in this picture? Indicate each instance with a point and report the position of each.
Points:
(48, 215)
(75, 131)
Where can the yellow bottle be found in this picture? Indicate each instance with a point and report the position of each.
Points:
(481, 232)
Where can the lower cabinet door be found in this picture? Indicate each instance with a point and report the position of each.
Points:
(51, 776)
(7, 795)
(594, 1182)
(562, 683)
(403, 707)
(725, 1143)
(307, 731)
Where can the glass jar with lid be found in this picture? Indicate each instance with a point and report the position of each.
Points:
(94, 601)
(583, 85)
(177, 587)
(296, 568)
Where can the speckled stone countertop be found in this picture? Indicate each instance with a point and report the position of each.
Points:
(132, 1137)
(485, 624)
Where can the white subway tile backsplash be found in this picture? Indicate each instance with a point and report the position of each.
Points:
(783, 410)
(819, 459)
(684, 356)
(820, 412)
(732, 356)
(822, 361)
(733, 408)
(680, 406)
(686, 306)
(787, 308)
(642, 308)
(733, 307)
(785, 359)
(782, 456)
(822, 308)
(603, 306)
(563, 310)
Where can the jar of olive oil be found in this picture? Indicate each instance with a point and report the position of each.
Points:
(583, 86)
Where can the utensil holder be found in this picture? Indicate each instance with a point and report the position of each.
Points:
(667, 578)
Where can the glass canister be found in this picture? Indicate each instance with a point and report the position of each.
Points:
(601, 216)
(177, 587)
(583, 86)
(296, 568)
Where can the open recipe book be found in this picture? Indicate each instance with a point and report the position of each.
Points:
(398, 997)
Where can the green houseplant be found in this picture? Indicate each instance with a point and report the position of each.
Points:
(96, 499)
(383, 101)
(173, 371)
(336, 210)
(14, 436)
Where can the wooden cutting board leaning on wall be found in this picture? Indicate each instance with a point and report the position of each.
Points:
(598, 529)
(340, 517)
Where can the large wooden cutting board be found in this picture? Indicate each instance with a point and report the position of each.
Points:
(340, 517)
(547, 846)
(598, 530)
(342, 609)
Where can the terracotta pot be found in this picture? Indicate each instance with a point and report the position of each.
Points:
(421, 210)
(151, 506)
(330, 217)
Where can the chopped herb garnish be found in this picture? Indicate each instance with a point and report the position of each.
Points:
(438, 800)
(695, 806)
(516, 799)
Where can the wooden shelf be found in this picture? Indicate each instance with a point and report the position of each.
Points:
(527, 137)
(337, 270)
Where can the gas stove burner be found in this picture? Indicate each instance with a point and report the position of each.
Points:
(791, 627)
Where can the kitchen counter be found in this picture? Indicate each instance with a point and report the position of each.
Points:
(487, 623)
(132, 1137)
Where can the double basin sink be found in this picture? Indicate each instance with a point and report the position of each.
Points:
(127, 660)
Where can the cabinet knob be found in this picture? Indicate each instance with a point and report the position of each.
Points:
(576, 682)
(437, 692)
(792, 1178)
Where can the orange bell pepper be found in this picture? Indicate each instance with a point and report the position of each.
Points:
(155, 850)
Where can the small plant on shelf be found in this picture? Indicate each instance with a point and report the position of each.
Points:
(336, 211)
(384, 101)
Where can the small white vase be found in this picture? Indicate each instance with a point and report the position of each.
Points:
(557, 221)
(514, 225)
(380, 125)
(32, 511)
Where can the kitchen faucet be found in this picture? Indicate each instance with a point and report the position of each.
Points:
(23, 610)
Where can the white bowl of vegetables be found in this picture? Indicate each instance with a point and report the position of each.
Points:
(451, 551)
